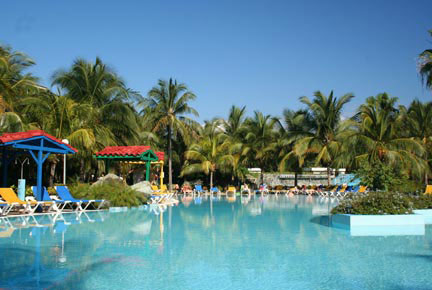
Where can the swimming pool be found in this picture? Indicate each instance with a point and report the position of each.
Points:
(261, 243)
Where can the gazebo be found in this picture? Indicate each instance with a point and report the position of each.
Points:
(36, 142)
(132, 155)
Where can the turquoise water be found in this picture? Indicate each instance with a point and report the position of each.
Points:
(262, 243)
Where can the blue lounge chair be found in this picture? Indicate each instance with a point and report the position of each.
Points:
(64, 193)
(199, 189)
(59, 205)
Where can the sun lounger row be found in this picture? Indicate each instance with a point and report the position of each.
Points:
(10, 202)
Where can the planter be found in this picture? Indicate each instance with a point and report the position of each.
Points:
(380, 225)
(426, 213)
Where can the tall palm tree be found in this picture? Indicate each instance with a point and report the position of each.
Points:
(169, 106)
(234, 125)
(235, 129)
(93, 83)
(379, 139)
(103, 111)
(210, 153)
(425, 63)
(322, 142)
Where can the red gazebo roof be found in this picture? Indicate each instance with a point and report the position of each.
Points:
(127, 151)
(11, 137)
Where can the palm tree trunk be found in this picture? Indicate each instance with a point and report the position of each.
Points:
(295, 179)
(52, 173)
(211, 180)
(82, 169)
(328, 176)
(426, 178)
(169, 159)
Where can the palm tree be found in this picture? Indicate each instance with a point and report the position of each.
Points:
(378, 137)
(296, 125)
(425, 63)
(103, 112)
(14, 83)
(235, 129)
(168, 102)
(210, 153)
(259, 141)
(322, 142)
(234, 125)
(419, 117)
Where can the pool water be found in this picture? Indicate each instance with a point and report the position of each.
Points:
(275, 242)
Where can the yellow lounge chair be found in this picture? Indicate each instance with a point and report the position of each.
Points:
(10, 197)
(362, 189)
(341, 191)
(428, 189)
(232, 190)
(164, 188)
(4, 206)
(331, 192)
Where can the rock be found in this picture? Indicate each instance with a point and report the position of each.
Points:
(109, 178)
(143, 187)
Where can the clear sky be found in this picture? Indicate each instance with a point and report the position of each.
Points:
(262, 54)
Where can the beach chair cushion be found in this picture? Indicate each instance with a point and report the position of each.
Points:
(64, 193)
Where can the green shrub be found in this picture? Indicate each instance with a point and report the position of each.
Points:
(409, 186)
(422, 201)
(380, 176)
(116, 193)
(375, 203)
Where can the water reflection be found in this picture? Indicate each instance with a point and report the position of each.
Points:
(164, 247)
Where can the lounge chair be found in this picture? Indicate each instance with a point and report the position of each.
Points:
(362, 189)
(15, 203)
(331, 192)
(263, 189)
(164, 188)
(161, 198)
(232, 190)
(245, 190)
(341, 191)
(278, 189)
(428, 189)
(198, 189)
(82, 204)
(214, 190)
(186, 189)
(4, 206)
(59, 205)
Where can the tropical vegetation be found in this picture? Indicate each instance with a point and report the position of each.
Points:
(383, 202)
(90, 105)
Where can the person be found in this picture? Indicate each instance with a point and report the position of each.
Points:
(263, 188)
(245, 189)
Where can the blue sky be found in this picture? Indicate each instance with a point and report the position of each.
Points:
(262, 54)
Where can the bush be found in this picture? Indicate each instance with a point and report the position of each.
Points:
(423, 201)
(379, 176)
(409, 186)
(116, 193)
(375, 203)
